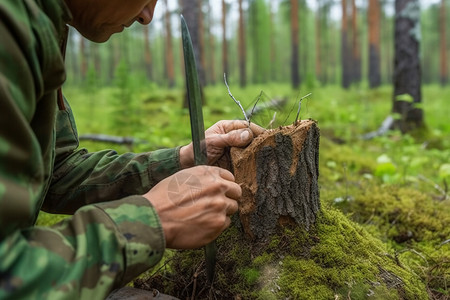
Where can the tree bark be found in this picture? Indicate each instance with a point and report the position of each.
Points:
(278, 174)
(374, 43)
(356, 53)
(407, 72)
(242, 48)
(170, 69)
(147, 54)
(224, 38)
(295, 72)
(443, 40)
(346, 77)
(84, 58)
(318, 42)
(201, 43)
(211, 45)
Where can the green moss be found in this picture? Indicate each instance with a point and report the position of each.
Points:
(347, 260)
(250, 275)
(337, 258)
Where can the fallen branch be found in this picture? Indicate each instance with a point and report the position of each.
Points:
(385, 126)
(274, 103)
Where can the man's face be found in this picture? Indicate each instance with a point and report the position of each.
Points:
(97, 20)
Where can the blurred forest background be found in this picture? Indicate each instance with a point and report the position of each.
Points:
(366, 63)
(258, 41)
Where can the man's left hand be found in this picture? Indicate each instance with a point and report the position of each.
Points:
(219, 138)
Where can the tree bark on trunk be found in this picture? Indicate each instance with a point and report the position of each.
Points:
(356, 53)
(407, 72)
(211, 44)
(374, 43)
(242, 48)
(170, 69)
(295, 72)
(224, 38)
(84, 59)
(346, 77)
(278, 174)
(147, 54)
(318, 42)
(273, 51)
(443, 40)
(201, 43)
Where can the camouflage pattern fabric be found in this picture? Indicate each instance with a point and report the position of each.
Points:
(114, 234)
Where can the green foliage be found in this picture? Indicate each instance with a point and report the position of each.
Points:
(393, 185)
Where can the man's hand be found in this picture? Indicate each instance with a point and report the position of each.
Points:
(219, 138)
(195, 205)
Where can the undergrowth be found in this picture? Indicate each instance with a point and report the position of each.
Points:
(394, 186)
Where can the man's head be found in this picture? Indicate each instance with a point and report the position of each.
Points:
(97, 20)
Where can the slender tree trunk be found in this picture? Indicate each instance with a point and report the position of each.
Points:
(345, 47)
(318, 42)
(211, 44)
(224, 38)
(169, 58)
(407, 72)
(443, 40)
(374, 43)
(201, 43)
(83, 58)
(295, 74)
(74, 57)
(356, 53)
(242, 48)
(147, 54)
(273, 52)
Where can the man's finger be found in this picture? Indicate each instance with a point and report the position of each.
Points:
(235, 138)
(240, 124)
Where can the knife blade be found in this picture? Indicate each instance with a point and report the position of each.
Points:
(197, 127)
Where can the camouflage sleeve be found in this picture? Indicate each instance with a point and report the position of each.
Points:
(101, 247)
(81, 177)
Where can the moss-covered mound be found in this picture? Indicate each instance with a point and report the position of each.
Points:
(337, 259)
(414, 225)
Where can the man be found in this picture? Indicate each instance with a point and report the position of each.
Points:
(123, 215)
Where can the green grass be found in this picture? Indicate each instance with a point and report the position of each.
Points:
(395, 185)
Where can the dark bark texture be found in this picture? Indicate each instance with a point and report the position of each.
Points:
(407, 72)
(278, 174)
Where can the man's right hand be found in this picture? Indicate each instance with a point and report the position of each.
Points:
(195, 205)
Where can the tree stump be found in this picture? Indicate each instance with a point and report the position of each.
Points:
(278, 173)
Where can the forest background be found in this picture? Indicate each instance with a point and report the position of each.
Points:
(394, 184)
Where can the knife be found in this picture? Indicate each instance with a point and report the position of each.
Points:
(197, 127)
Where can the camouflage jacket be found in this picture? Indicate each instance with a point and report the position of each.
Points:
(113, 234)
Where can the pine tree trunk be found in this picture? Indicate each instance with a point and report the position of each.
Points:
(356, 53)
(374, 43)
(147, 54)
(407, 72)
(224, 38)
(84, 59)
(201, 43)
(242, 48)
(211, 45)
(443, 40)
(346, 77)
(278, 174)
(318, 42)
(170, 69)
(295, 72)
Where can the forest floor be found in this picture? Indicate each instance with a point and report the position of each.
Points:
(384, 228)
